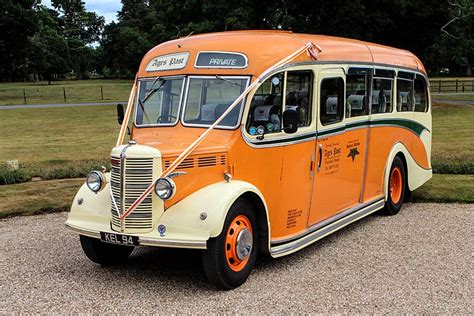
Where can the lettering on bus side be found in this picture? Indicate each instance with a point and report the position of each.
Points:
(168, 62)
(331, 156)
(220, 60)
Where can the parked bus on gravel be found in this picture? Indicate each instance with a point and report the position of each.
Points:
(257, 142)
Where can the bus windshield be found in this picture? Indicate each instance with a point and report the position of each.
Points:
(158, 101)
(208, 98)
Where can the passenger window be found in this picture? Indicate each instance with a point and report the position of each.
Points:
(332, 101)
(382, 96)
(265, 107)
(404, 95)
(421, 95)
(355, 95)
(298, 95)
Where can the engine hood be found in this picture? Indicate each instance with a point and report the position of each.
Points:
(171, 142)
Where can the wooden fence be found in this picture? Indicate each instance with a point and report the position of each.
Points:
(452, 85)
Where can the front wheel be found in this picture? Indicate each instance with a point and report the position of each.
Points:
(104, 253)
(396, 188)
(229, 257)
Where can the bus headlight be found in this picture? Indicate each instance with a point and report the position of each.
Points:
(165, 188)
(95, 181)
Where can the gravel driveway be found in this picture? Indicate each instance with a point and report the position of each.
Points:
(417, 262)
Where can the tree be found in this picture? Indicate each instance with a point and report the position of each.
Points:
(49, 52)
(80, 30)
(18, 23)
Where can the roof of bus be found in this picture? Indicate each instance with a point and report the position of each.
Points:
(265, 48)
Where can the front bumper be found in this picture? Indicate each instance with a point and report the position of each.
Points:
(143, 240)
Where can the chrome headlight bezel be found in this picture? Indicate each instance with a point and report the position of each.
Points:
(95, 181)
(165, 188)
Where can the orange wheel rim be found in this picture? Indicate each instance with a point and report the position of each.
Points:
(396, 185)
(238, 243)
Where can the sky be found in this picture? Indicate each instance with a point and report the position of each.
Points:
(107, 8)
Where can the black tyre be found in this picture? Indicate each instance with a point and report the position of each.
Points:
(104, 253)
(396, 188)
(230, 257)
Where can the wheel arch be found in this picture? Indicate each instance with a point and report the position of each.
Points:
(415, 174)
(262, 220)
(215, 200)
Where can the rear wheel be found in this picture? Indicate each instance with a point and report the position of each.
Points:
(229, 257)
(104, 253)
(396, 188)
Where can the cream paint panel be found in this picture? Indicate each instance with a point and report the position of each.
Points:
(416, 175)
(215, 200)
(93, 216)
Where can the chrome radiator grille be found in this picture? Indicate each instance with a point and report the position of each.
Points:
(138, 175)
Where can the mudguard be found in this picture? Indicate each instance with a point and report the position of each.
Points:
(416, 174)
(212, 203)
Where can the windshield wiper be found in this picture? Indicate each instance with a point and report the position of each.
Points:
(228, 81)
(153, 90)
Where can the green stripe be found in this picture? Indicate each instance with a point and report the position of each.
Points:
(413, 126)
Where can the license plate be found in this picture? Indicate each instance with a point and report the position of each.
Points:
(119, 239)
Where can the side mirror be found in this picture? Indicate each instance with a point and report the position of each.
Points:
(120, 114)
(290, 121)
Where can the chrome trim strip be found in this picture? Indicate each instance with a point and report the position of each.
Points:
(326, 222)
(173, 243)
(319, 232)
(254, 143)
(82, 231)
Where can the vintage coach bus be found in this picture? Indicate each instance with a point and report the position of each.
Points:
(257, 142)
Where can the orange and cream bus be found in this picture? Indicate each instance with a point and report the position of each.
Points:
(257, 142)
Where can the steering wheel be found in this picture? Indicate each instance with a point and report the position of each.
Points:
(161, 117)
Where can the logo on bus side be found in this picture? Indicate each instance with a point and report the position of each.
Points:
(353, 148)
(168, 62)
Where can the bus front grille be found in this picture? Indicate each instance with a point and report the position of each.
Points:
(137, 176)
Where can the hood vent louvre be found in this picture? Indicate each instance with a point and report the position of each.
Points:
(198, 161)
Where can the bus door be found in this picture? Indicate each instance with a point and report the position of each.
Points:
(381, 138)
(341, 143)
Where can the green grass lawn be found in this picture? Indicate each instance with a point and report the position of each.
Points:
(68, 142)
(56, 195)
(447, 188)
(454, 96)
(57, 142)
(76, 91)
(453, 138)
(38, 197)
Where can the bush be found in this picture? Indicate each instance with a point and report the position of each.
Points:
(49, 170)
(453, 167)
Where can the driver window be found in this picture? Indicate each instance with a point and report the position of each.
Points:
(265, 114)
(265, 108)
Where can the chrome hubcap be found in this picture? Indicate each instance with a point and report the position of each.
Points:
(244, 244)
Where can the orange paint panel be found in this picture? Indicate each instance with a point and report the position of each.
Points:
(261, 51)
(337, 186)
(381, 142)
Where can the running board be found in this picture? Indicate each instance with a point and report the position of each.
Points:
(314, 235)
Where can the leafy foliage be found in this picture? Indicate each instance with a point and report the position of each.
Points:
(52, 42)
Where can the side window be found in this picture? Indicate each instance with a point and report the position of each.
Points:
(404, 95)
(266, 105)
(332, 101)
(356, 88)
(299, 95)
(421, 95)
(382, 95)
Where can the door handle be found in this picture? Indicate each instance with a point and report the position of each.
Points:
(320, 154)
